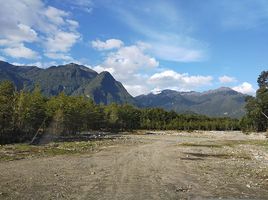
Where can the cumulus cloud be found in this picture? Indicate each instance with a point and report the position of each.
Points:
(174, 80)
(107, 45)
(20, 51)
(32, 21)
(137, 84)
(130, 58)
(227, 79)
(143, 84)
(245, 88)
(124, 63)
(136, 90)
(55, 15)
(27, 34)
(132, 65)
(128, 64)
(100, 69)
(61, 41)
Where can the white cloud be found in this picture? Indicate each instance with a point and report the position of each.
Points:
(55, 15)
(107, 45)
(227, 79)
(245, 88)
(170, 79)
(129, 65)
(58, 56)
(136, 90)
(126, 62)
(37, 64)
(156, 91)
(141, 84)
(61, 41)
(20, 51)
(73, 24)
(43, 64)
(32, 21)
(27, 34)
(129, 59)
(100, 69)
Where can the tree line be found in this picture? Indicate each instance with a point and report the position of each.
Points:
(22, 113)
(256, 118)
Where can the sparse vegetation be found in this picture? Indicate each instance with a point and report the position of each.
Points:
(21, 151)
(201, 145)
(227, 143)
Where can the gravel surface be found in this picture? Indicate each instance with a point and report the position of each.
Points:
(146, 165)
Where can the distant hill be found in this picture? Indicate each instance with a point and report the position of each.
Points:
(217, 103)
(72, 79)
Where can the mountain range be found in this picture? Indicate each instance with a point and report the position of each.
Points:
(217, 103)
(74, 79)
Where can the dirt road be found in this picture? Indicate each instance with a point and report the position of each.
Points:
(155, 166)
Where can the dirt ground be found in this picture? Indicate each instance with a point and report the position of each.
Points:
(147, 165)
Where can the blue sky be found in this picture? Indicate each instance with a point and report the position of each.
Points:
(148, 45)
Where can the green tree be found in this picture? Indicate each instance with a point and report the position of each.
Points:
(257, 107)
(129, 117)
(112, 116)
(7, 99)
(263, 79)
(29, 111)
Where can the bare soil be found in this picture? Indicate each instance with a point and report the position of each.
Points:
(145, 165)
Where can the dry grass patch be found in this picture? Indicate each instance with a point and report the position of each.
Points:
(21, 151)
(200, 145)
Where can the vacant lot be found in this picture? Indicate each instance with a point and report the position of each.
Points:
(159, 165)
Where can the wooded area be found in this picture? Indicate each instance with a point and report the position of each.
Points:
(22, 113)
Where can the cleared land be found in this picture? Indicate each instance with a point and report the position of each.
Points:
(156, 165)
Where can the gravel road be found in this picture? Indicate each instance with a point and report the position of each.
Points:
(161, 165)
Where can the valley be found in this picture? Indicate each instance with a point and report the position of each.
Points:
(133, 100)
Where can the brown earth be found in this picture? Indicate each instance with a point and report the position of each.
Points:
(159, 165)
